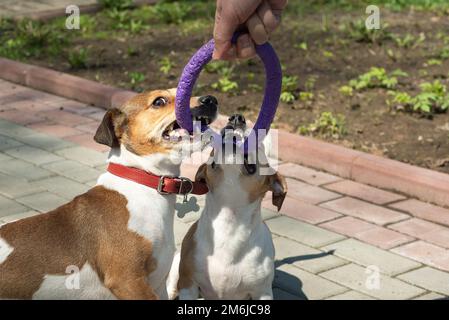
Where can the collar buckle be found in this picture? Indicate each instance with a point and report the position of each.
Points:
(160, 185)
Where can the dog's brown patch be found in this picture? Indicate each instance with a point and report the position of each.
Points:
(186, 266)
(92, 228)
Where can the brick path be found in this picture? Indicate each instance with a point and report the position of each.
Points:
(329, 230)
(13, 8)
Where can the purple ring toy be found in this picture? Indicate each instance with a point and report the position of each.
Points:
(193, 68)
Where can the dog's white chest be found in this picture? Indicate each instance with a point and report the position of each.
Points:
(234, 273)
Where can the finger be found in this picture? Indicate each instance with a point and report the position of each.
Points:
(226, 22)
(267, 16)
(245, 47)
(277, 4)
(231, 54)
(257, 30)
(276, 7)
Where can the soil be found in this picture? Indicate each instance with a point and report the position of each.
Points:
(372, 126)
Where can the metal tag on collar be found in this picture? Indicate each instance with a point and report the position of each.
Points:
(184, 180)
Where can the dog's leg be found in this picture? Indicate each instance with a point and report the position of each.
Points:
(191, 293)
(173, 277)
(129, 288)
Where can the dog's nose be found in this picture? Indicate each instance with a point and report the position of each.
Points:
(208, 100)
(237, 121)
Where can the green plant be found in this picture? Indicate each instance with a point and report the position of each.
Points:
(32, 39)
(136, 78)
(409, 40)
(433, 62)
(302, 46)
(306, 96)
(165, 65)
(172, 12)
(358, 31)
(216, 66)
(289, 87)
(377, 78)
(116, 4)
(226, 85)
(346, 91)
(326, 125)
(444, 54)
(78, 58)
(433, 98)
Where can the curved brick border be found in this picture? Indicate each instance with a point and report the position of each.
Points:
(380, 172)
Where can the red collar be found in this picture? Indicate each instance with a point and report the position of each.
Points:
(163, 184)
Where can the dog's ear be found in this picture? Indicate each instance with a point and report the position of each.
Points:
(201, 173)
(278, 187)
(111, 128)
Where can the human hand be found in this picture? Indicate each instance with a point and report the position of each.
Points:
(261, 17)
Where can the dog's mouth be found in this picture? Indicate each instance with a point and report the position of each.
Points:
(205, 114)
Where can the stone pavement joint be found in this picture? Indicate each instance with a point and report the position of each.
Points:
(329, 231)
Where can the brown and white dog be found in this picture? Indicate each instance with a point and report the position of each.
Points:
(228, 253)
(119, 234)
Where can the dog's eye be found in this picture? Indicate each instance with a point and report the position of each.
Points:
(159, 102)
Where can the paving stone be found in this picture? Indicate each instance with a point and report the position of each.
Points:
(348, 226)
(13, 187)
(351, 295)
(431, 296)
(356, 278)
(86, 140)
(424, 211)
(180, 229)
(368, 255)
(428, 278)
(304, 257)
(42, 202)
(304, 284)
(4, 157)
(8, 143)
(383, 238)
(20, 117)
(64, 117)
(33, 155)
(426, 253)
(9, 207)
(45, 142)
(22, 169)
(305, 174)
(307, 193)
(91, 183)
(13, 130)
(279, 294)
(303, 211)
(74, 170)
(424, 230)
(62, 186)
(19, 216)
(302, 232)
(269, 214)
(364, 210)
(56, 130)
(84, 155)
(364, 192)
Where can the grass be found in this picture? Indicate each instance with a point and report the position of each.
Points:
(78, 58)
